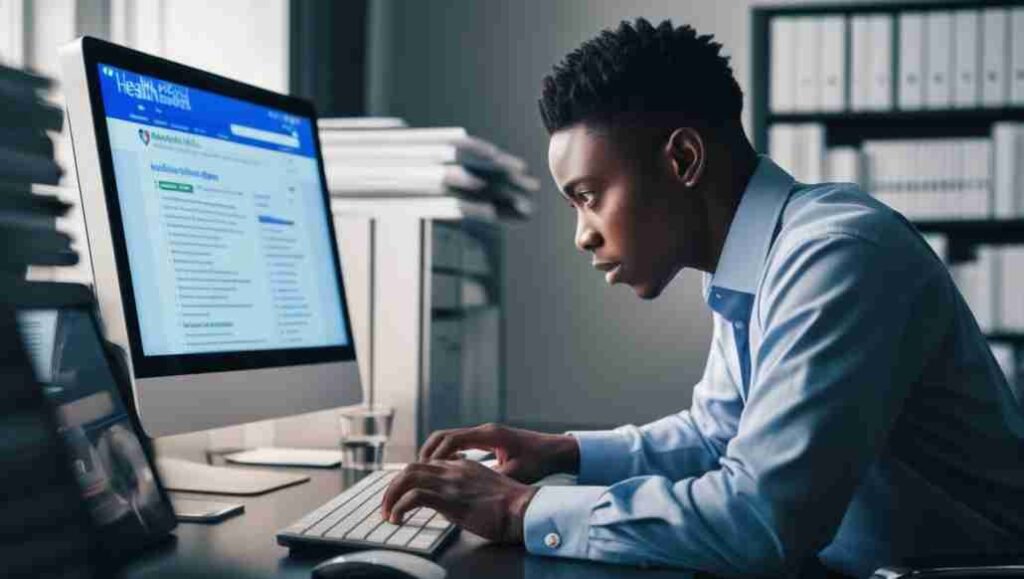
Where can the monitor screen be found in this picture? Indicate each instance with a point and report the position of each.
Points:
(108, 459)
(224, 220)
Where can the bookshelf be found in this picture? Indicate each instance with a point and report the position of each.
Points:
(852, 128)
(964, 236)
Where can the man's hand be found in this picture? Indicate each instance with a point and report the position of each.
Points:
(467, 493)
(522, 454)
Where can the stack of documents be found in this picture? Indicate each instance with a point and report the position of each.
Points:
(28, 172)
(384, 158)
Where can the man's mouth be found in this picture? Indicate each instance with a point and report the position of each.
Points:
(610, 268)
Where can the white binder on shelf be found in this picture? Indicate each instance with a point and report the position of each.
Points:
(967, 59)
(881, 37)
(1017, 56)
(808, 87)
(860, 62)
(875, 176)
(1006, 142)
(1011, 288)
(922, 202)
(911, 61)
(811, 143)
(977, 173)
(783, 62)
(936, 203)
(926, 185)
(832, 70)
(782, 147)
(994, 53)
(922, 194)
(938, 91)
(961, 203)
(844, 165)
(989, 310)
(976, 283)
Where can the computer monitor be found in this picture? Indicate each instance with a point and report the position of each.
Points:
(213, 248)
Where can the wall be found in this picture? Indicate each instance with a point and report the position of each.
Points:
(577, 352)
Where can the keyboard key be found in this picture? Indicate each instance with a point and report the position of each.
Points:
(439, 523)
(402, 536)
(349, 523)
(309, 520)
(354, 516)
(424, 539)
(382, 532)
(363, 529)
(349, 510)
(417, 519)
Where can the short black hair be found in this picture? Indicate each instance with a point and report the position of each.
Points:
(638, 69)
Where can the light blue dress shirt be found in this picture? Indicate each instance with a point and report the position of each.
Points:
(850, 409)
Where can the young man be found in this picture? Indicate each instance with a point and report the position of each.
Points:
(850, 409)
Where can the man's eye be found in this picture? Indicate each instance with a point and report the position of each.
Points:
(587, 198)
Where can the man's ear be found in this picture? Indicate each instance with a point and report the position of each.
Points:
(687, 155)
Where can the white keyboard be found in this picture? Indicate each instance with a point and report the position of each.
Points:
(352, 520)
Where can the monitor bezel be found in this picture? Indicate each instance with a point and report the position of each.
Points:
(97, 52)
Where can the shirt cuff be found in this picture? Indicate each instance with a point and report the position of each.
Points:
(557, 520)
(604, 456)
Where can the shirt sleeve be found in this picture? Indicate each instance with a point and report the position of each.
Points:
(840, 346)
(685, 444)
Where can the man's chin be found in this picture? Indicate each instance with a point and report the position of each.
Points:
(647, 291)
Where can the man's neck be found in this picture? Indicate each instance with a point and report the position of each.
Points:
(734, 175)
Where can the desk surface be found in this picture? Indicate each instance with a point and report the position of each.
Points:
(247, 542)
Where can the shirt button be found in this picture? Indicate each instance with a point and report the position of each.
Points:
(552, 540)
(739, 325)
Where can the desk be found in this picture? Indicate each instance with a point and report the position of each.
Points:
(247, 543)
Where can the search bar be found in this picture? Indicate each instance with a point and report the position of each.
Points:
(265, 136)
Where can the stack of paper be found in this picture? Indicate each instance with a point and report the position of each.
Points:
(377, 159)
(28, 216)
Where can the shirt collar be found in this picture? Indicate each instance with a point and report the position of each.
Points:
(751, 232)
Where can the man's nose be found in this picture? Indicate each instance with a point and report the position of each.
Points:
(587, 238)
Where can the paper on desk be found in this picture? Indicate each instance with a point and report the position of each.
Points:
(321, 458)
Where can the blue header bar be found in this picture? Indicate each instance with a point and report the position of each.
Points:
(147, 100)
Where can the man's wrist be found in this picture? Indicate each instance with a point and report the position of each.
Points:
(567, 454)
(517, 511)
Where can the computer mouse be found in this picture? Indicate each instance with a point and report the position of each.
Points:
(379, 563)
